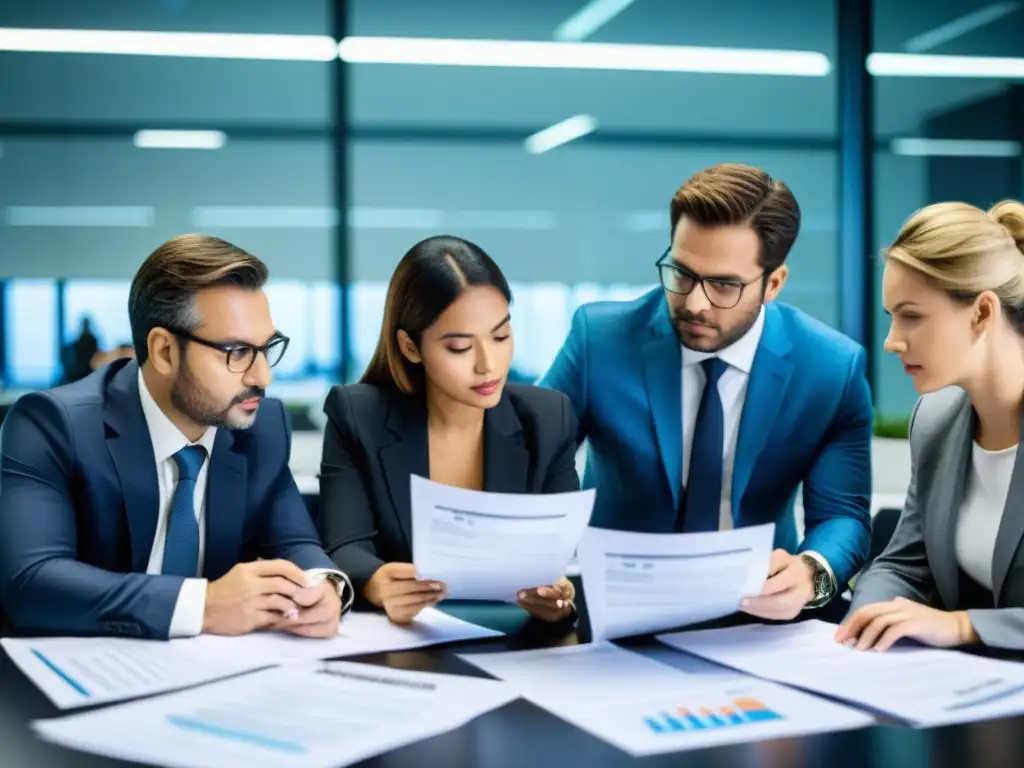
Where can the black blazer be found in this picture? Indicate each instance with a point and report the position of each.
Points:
(377, 438)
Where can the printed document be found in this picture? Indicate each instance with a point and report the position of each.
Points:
(489, 546)
(331, 714)
(643, 707)
(649, 582)
(927, 687)
(75, 672)
(359, 633)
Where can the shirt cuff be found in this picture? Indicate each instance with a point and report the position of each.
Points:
(187, 619)
(345, 591)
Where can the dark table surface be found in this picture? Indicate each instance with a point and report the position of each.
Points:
(520, 735)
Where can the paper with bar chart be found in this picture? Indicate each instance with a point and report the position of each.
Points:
(651, 582)
(313, 716)
(749, 710)
(642, 706)
(924, 686)
(77, 672)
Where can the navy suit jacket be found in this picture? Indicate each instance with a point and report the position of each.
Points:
(807, 419)
(78, 508)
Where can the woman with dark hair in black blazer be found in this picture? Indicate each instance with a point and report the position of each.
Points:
(434, 402)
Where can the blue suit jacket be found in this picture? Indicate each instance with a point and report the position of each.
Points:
(807, 418)
(78, 508)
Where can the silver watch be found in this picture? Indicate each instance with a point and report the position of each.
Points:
(823, 580)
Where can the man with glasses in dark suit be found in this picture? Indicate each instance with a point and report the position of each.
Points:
(153, 498)
(707, 405)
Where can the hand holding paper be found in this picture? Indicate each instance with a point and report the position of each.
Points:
(550, 603)
(396, 588)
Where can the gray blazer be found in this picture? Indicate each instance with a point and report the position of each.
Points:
(920, 562)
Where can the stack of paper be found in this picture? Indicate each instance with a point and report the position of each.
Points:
(75, 672)
(644, 707)
(925, 686)
(489, 546)
(334, 715)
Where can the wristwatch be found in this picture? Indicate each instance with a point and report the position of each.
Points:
(341, 583)
(823, 579)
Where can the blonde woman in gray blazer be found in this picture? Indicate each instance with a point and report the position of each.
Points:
(953, 573)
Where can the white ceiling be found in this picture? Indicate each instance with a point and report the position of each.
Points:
(60, 87)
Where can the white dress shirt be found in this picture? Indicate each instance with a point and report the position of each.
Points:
(981, 511)
(187, 619)
(732, 389)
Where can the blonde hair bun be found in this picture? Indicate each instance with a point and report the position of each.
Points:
(1010, 215)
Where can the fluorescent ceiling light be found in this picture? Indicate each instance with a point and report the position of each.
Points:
(265, 217)
(80, 216)
(560, 133)
(590, 18)
(646, 221)
(929, 65)
(156, 139)
(370, 217)
(436, 219)
(559, 55)
(191, 44)
(951, 30)
(955, 148)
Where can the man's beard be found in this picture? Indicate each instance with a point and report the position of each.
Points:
(192, 401)
(724, 338)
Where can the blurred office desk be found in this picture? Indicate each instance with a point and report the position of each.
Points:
(520, 735)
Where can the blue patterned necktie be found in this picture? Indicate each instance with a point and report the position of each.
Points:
(702, 497)
(181, 551)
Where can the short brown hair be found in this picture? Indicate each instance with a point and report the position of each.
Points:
(732, 193)
(164, 289)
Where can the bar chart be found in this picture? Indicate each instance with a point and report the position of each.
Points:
(740, 711)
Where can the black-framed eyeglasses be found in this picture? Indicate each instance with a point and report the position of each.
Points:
(724, 294)
(239, 356)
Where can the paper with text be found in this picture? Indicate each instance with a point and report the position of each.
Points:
(489, 546)
(924, 686)
(643, 707)
(75, 672)
(648, 582)
(334, 715)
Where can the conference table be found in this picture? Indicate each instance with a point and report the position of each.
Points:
(521, 735)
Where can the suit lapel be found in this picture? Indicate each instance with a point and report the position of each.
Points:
(506, 461)
(409, 455)
(766, 388)
(1011, 529)
(131, 450)
(662, 359)
(225, 504)
(943, 504)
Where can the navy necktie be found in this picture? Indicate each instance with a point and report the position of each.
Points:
(181, 551)
(702, 498)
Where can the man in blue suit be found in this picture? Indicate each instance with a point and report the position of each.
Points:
(790, 403)
(153, 498)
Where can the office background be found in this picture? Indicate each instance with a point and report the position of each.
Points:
(330, 169)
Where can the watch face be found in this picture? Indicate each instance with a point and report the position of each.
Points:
(821, 583)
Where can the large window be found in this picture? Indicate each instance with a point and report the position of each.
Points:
(84, 198)
(31, 333)
(441, 150)
(948, 137)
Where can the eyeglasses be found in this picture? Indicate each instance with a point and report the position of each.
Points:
(241, 357)
(724, 294)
